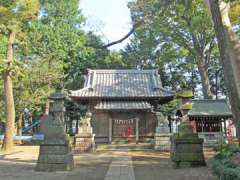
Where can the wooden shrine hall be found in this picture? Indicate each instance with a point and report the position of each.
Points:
(210, 115)
(122, 103)
(209, 119)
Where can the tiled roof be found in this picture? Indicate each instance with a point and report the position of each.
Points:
(210, 108)
(122, 83)
(123, 105)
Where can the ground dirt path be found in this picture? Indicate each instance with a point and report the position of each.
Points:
(158, 166)
(101, 165)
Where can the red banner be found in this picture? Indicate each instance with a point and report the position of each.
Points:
(229, 130)
(194, 127)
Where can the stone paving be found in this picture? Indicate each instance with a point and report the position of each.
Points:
(121, 168)
(101, 165)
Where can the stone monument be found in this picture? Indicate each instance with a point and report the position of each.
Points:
(84, 140)
(162, 134)
(186, 146)
(55, 152)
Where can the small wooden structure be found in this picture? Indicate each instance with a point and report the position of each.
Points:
(208, 118)
(209, 114)
(122, 103)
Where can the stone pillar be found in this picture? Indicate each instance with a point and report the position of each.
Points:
(55, 152)
(137, 130)
(110, 131)
(84, 140)
(162, 133)
(186, 147)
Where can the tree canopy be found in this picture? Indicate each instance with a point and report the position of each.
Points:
(43, 42)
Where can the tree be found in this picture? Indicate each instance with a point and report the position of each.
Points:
(57, 36)
(3, 46)
(91, 57)
(228, 43)
(14, 16)
(31, 93)
(183, 25)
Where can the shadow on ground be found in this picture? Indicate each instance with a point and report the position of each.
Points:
(20, 164)
(148, 165)
(157, 165)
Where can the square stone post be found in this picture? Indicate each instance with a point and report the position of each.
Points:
(137, 130)
(110, 131)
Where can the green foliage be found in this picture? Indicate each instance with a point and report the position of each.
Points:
(53, 49)
(173, 37)
(223, 164)
(15, 14)
(169, 108)
(57, 35)
(52, 44)
(3, 46)
(226, 150)
(92, 58)
(2, 104)
(225, 170)
(185, 94)
(235, 13)
(32, 92)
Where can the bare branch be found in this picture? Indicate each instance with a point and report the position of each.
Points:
(132, 30)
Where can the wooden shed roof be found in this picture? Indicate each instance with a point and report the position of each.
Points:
(128, 83)
(207, 107)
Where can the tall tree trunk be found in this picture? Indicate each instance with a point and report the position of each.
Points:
(229, 45)
(19, 124)
(8, 91)
(19, 127)
(47, 105)
(206, 86)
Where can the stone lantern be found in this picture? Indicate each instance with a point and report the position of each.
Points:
(55, 152)
(186, 147)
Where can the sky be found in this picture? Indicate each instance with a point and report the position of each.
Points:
(108, 18)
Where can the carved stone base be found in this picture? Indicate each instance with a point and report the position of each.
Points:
(84, 143)
(55, 157)
(186, 148)
(162, 142)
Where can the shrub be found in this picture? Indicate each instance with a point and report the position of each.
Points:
(223, 164)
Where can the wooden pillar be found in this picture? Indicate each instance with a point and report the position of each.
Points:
(110, 131)
(225, 127)
(137, 130)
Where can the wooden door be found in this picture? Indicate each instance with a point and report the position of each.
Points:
(122, 128)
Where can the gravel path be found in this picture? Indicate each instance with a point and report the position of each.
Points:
(121, 167)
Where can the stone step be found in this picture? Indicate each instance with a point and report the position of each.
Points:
(130, 146)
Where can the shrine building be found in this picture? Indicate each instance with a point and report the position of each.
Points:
(210, 119)
(210, 115)
(122, 103)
